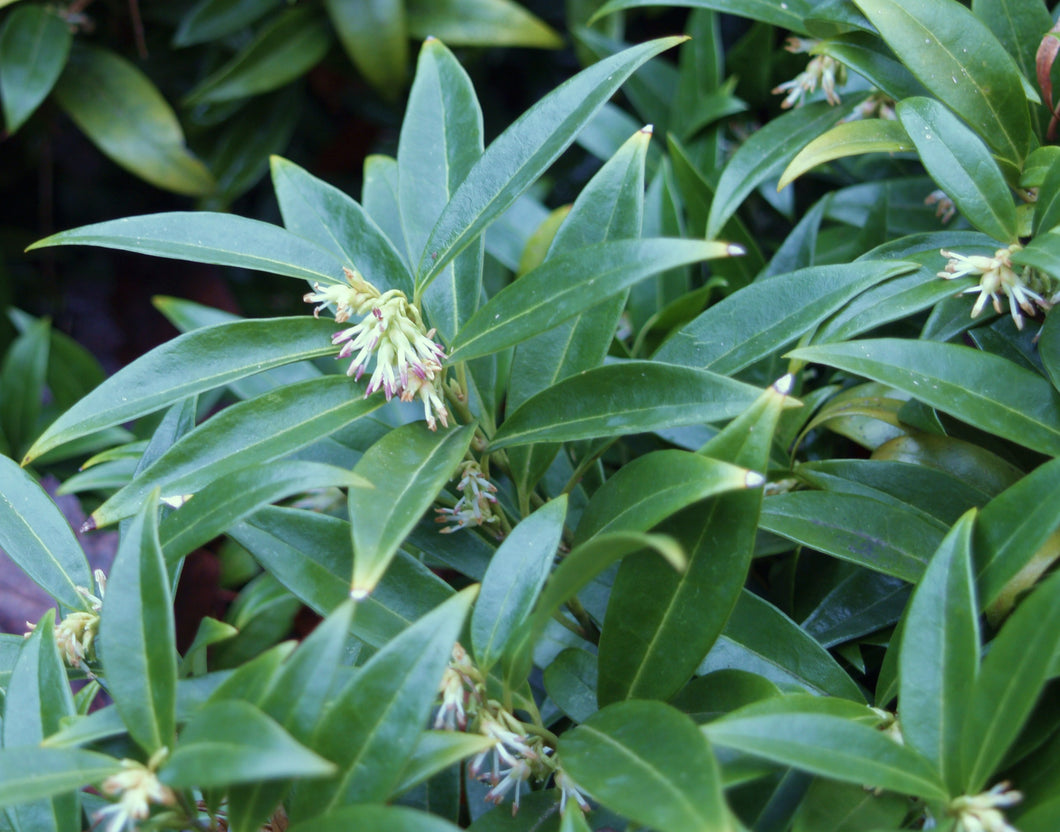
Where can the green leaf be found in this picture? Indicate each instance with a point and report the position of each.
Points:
(324, 215)
(852, 138)
(368, 818)
(988, 392)
(649, 762)
(570, 681)
(1043, 252)
(375, 36)
(231, 497)
(883, 537)
(1013, 527)
(380, 197)
(137, 639)
(787, 15)
(759, 638)
(513, 581)
(570, 283)
(216, 19)
(34, 45)
(846, 807)
(1047, 206)
(768, 315)
(230, 742)
(36, 536)
(961, 166)
(939, 658)
(830, 746)
(437, 751)
(32, 773)
(191, 363)
(311, 554)
(480, 23)
(292, 44)
(408, 467)
(629, 397)
(126, 117)
(765, 155)
(22, 379)
(864, 53)
(206, 237)
(524, 151)
(652, 487)
(246, 434)
(372, 729)
(441, 140)
(982, 82)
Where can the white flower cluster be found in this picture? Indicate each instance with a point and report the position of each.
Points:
(822, 69)
(997, 277)
(475, 506)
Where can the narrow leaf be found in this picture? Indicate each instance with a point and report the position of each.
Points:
(852, 138)
(34, 45)
(34, 773)
(375, 37)
(788, 15)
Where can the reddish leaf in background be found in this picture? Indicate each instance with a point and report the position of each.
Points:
(1044, 59)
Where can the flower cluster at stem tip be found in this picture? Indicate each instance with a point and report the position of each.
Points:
(516, 754)
(822, 69)
(982, 812)
(136, 787)
(997, 277)
(475, 506)
(408, 362)
(75, 635)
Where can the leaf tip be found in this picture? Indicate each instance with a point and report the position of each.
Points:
(647, 129)
(734, 250)
(359, 593)
(752, 479)
(785, 384)
(88, 526)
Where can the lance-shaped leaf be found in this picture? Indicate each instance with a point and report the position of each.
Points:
(246, 434)
(765, 154)
(191, 363)
(782, 15)
(1009, 684)
(23, 378)
(659, 623)
(887, 538)
(32, 773)
(480, 23)
(652, 487)
(649, 762)
(630, 397)
(514, 579)
(34, 45)
(767, 315)
(372, 729)
(441, 140)
(438, 750)
(137, 637)
(570, 283)
(366, 817)
(851, 138)
(983, 84)
(206, 237)
(939, 659)
(125, 116)
(324, 215)
(831, 746)
(375, 37)
(230, 498)
(525, 151)
(985, 390)
(408, 467)
(36, 536)
(962, 166)
(230, 741)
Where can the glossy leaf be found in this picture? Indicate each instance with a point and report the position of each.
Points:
(230, 742)
(982, 84)
(830, 746)
(375, 37)
(126, 117)
(886, 538)
(962, 166)
(514, 579)
(524, 151)
(783, 15)
(34, 773)
(246, 434)
(570, 680)
(23, 377)
(765, 155)
(290, 45)
(205, 237)
(372, 729)
(649, 762)
(366, 817)
(213, 19)
(137, 636)
(34, 45)
(630, 397)
(230, 498)
(324, 215)
(1009, 684)
(652, 487)
(939, 658)
(768, 315)
(36, 536)
(437, 751)
(852, 138)
(570, 283)
(988, 392)
(408, 467)
(480, 23)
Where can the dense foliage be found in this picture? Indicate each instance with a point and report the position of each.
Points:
(722, 498)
